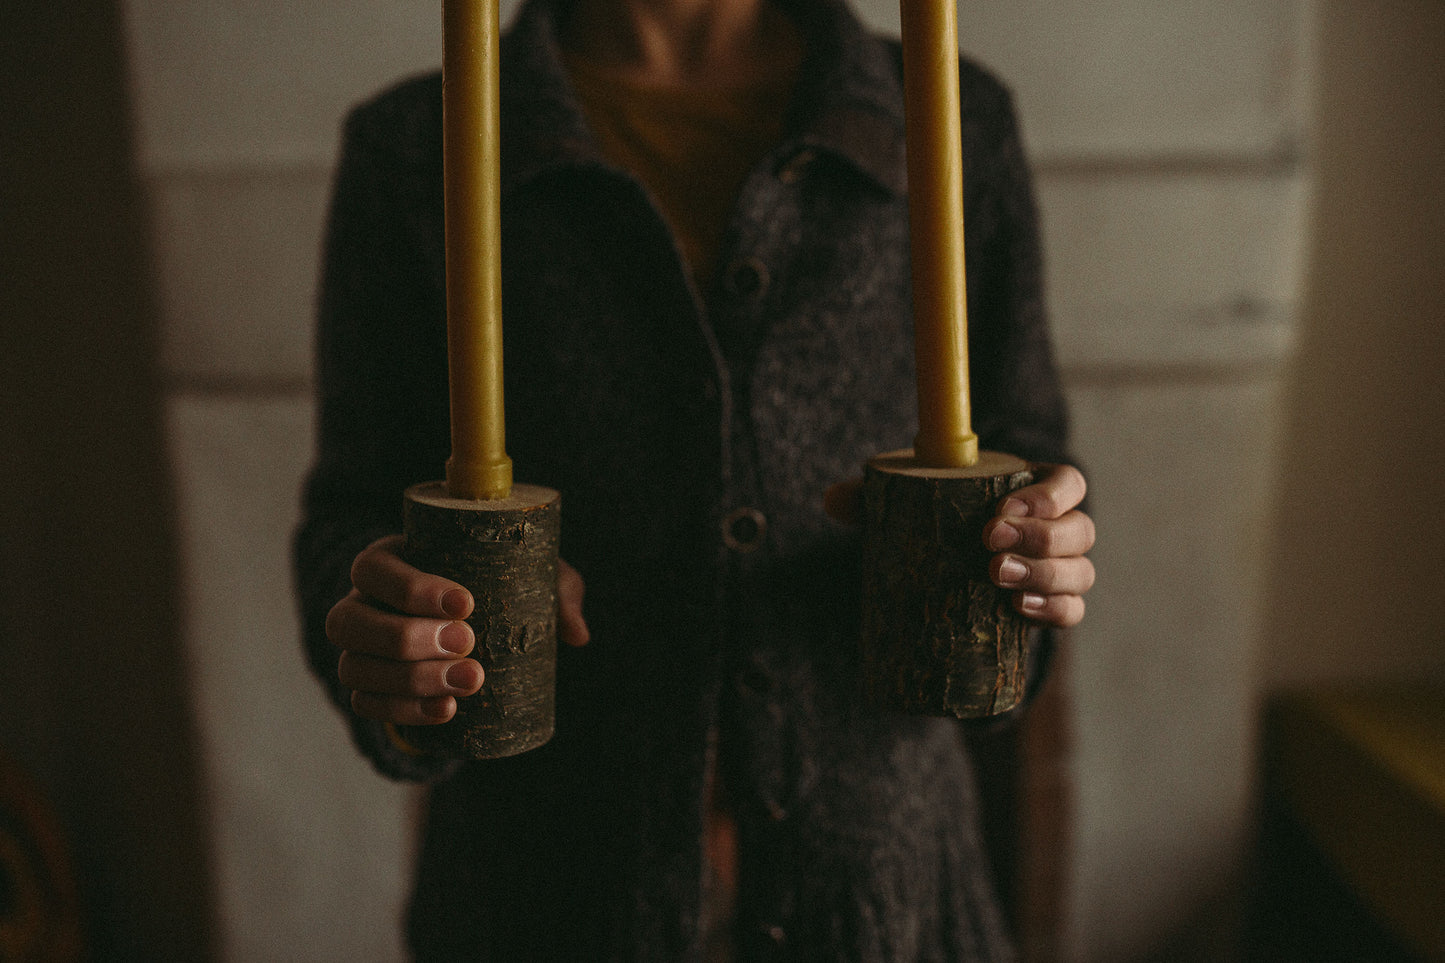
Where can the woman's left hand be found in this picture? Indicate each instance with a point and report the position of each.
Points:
(1041, 540)
(1040, 537)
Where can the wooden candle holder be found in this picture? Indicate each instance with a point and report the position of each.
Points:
(504, 552)
(939, 638)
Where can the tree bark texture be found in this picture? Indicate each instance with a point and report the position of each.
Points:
(505, 553)
(938, 637)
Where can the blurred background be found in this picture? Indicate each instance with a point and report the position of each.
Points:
(1243, 216)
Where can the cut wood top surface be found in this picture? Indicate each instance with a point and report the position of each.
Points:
(990, 463)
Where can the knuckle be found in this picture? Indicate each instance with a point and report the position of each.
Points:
(417, 640)
(1045, 540)
(346, 671)
(367, 706)
(361, 564)
(414, 595)
(338, 621)
(428, 680)
(1073, 612)
(431, 712)
(413, 680)
(1045, 574)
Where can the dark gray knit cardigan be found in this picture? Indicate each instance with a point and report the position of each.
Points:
(658, 409)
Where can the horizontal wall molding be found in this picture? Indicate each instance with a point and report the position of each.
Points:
(288, 162)
(1287, 159)
(1241, 335)
(240, 387)
(1124, 376)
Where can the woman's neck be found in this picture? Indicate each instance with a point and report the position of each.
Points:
(706, 43)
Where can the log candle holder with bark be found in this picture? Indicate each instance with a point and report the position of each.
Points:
(939, 637)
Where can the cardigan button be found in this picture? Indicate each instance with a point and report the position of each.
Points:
(763, 940)
(747, 278)
(744, 529)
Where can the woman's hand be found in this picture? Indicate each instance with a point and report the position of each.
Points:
(1040, 537)
(404, 643)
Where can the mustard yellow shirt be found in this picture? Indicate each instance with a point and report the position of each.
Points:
(691, 148)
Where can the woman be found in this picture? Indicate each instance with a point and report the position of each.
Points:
(707, 325)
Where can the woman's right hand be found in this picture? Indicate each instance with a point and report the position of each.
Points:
(403, 640)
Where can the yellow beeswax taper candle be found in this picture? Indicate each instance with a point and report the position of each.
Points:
(935, 186)
(479, 467)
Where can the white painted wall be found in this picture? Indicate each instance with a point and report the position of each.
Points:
(1168, 144)
(238, 106)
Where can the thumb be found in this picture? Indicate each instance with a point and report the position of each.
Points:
(571, 626)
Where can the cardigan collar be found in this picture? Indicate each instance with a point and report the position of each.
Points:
(848, 103)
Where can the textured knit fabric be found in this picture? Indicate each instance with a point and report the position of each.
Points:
(658, 409)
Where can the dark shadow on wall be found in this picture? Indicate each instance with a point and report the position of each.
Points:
(92, 681)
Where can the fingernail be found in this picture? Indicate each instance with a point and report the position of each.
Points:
(438, 708)
(462, 676)
(456, 603)
(1003, 536)
(455, 637)
(1031, 602)
(1012, 571)
(1016, 507)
